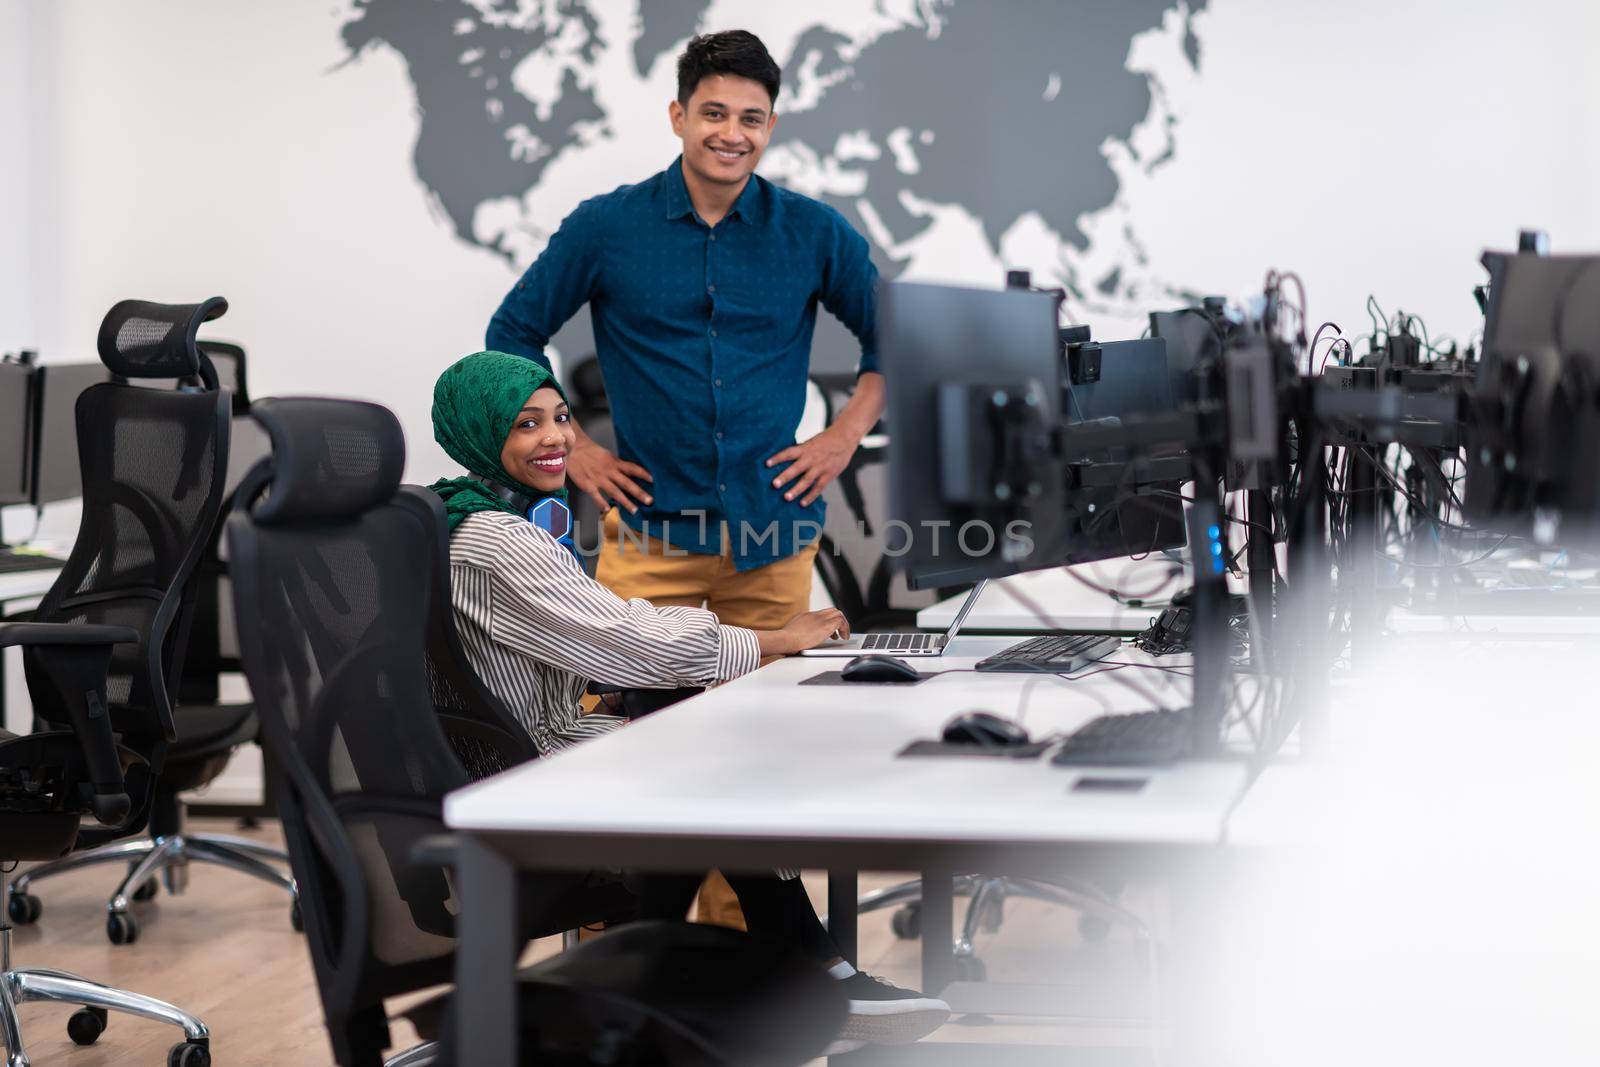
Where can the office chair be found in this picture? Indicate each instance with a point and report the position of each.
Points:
(207, 733)
(99, 650)
(853, 563)
(372, 715)
(227, 359)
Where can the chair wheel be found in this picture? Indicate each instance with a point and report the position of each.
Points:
(86, 1025)
(906, 922)
(121, 929)
(146, 891)
(1093, 927)
(970, 969)
(296, 918)
(24, 909)
(189, 1054)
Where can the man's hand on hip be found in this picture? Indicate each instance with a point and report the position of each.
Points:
(607, 479)
(814, 463)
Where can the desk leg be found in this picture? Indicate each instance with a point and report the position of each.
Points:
(842, 895)
(938, 931)
(486, 958)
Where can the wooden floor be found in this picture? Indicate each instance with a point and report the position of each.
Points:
(225, 951)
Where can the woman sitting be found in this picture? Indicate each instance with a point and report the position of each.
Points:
(537, 629)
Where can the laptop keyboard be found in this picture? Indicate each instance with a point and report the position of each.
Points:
(898, 642)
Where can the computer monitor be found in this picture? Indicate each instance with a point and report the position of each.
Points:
(959, 368)
(56, 475)
(16, 432)
(1126, 517)
(1537, 434)
(1194, 336)
(1132, 380)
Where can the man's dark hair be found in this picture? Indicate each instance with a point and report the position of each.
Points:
(736, 52)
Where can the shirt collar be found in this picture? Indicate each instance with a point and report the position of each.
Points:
(678, 204)
(749, 204)
(747, 207)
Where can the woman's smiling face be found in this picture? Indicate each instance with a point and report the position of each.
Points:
(540, 440)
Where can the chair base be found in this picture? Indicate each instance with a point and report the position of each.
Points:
(423, 1055)
(988, 895)
(23, 986)
(168, 857)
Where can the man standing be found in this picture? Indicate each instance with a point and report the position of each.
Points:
(703, 283)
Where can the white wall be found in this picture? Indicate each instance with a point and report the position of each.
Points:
(190, 147)
(206, 148)
(16, 126)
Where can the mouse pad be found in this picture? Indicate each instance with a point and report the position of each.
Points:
(833, 678)
(943, 749)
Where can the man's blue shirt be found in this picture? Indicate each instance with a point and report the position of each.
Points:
(704, 338)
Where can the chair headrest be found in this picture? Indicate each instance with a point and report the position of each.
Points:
(589, 385)
(139, 339)
(331, 459)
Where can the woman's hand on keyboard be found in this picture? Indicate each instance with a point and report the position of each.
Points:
(807, 630)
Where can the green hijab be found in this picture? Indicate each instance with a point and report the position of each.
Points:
(475, 403)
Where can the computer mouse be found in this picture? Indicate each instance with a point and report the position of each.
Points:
(879, 669)
(984, 728)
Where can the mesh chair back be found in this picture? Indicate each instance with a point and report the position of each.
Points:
(332, 594)
(588, 386)
(857, 561)
(152, 466)
(227, 360)
(484, 735)
(213, 647)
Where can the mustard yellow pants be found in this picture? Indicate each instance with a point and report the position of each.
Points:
(763, 598)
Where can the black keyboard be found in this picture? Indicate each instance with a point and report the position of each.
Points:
(1052, 655)
(1141, 737)
(898, 642)
(14, 562)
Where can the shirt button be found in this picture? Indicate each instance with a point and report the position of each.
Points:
(711, 288)
(717, 383)
(713, 333)
(719, 435)
(722, 488)
(713, 237)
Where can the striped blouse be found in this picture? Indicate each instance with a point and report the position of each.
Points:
(537, 630)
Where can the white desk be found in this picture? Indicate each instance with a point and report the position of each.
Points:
(26, 585)
(1403, 620)
(766, 772)
(18, 586)
(1054, 600)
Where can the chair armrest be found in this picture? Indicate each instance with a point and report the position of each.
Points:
(65, 633)
(75, 657)
(637, 703)
(436, 850)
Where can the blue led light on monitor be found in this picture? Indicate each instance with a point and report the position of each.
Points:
(1216, 549)
(1213, 531)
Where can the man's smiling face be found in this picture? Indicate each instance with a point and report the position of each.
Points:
(725, 127)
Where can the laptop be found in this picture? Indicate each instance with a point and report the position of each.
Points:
(900, 644)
